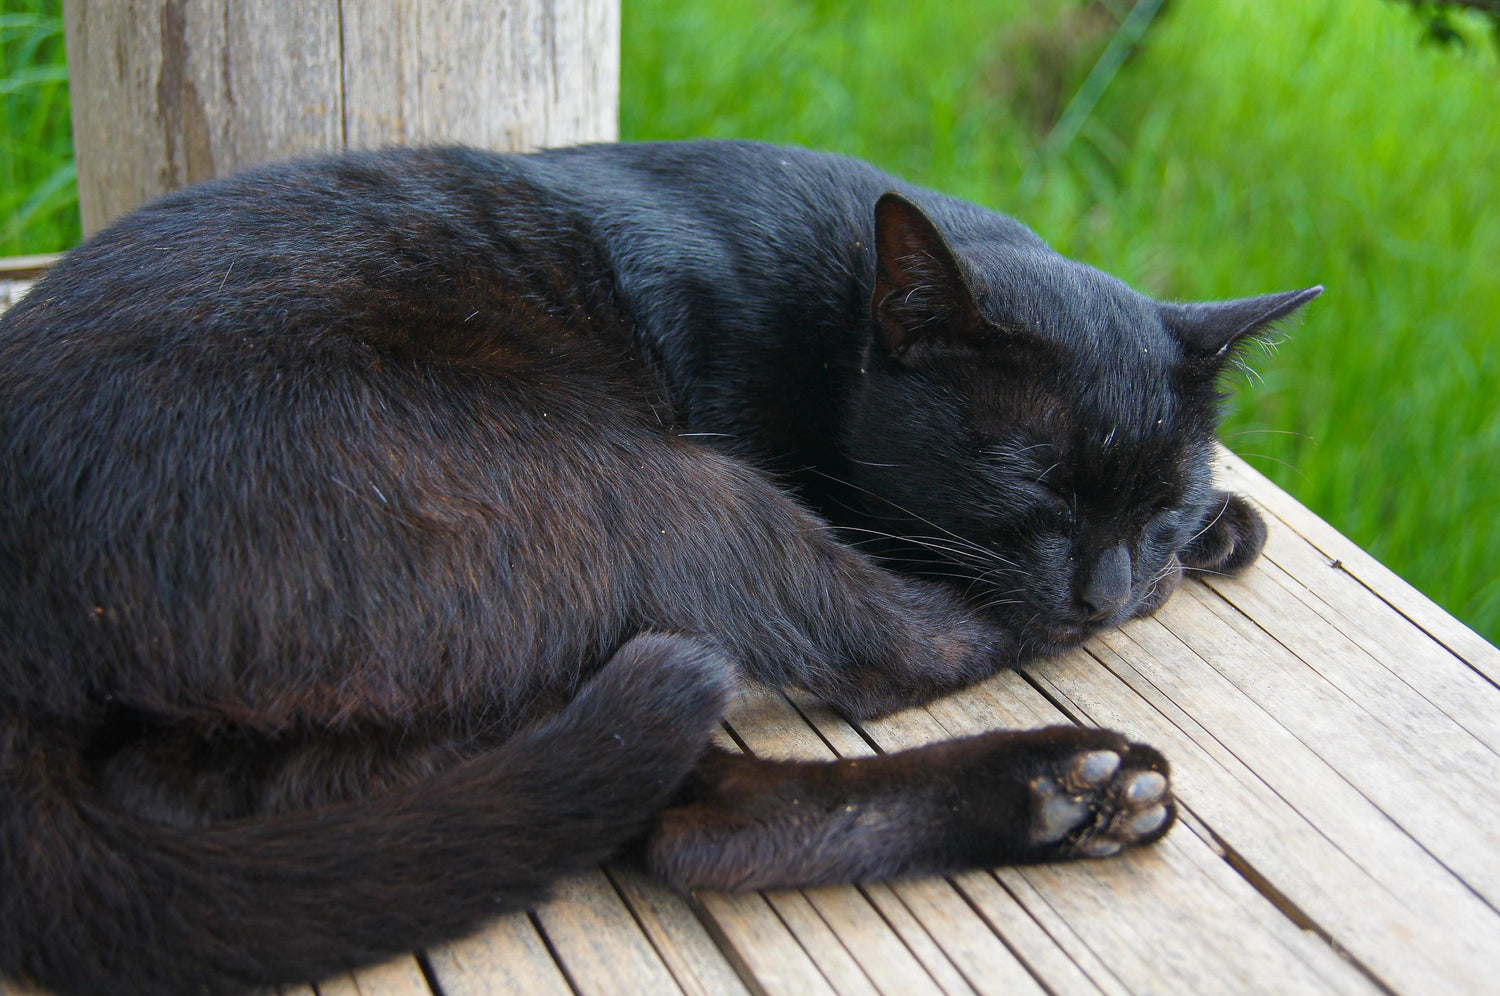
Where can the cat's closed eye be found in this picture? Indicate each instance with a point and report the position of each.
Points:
(1056, 493)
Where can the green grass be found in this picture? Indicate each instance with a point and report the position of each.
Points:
(38, 186)
(1246, 147)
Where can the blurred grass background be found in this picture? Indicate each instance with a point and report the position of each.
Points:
(1244, 147)
(38, 185)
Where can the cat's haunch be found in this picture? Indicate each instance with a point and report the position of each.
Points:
(384, 536)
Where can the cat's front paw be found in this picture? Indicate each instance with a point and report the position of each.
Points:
(1230, 541)
(1096, 800)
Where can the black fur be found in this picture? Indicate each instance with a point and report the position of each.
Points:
(381, 537)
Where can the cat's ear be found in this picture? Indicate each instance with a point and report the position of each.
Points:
(1211, 332)
(920, 289)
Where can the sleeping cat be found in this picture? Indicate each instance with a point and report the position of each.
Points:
(384, 536)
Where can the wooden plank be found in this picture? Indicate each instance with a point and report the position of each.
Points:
(27, 267)
(1047, 945)
(762, 947)
(1291, 819)
(909, 924)
(1365, 672)
(1336, 973)
(1235, 473)
(842, 738)
(1445, 810)
(12, 291)
(1427, 667)
(683, 943)
(822, 944)
(508, 956)
(767, 723)
(1037, 948)
(879, 950)
(1127, 912)
(398, 977)
(19, 273)
(1007, 702)
(596, 940)
(182, 92)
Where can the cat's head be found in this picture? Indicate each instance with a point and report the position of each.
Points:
(1040, 433)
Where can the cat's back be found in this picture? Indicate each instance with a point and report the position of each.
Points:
(317, 248)
(254, 327)
(244, 314)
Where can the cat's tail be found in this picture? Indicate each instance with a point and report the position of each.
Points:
(93, 900)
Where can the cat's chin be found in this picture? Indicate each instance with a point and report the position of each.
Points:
(1058, 638)
(1052, 637)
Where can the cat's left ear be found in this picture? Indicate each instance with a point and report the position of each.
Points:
(920, 290)
(1211, 332)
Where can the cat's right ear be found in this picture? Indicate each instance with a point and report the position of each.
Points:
(920, 290)
(1211, 332)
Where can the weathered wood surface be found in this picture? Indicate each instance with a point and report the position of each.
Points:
(183, 90)
(1335, 740)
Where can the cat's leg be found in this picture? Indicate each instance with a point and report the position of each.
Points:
(996, 799)
(796, 606)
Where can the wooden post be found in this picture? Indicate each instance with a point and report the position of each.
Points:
(169, 92)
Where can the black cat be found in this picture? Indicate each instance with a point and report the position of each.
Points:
(384, 536)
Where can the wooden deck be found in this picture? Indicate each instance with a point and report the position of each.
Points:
(1335, 741)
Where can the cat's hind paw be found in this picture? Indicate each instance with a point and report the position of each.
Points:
(1098, 801)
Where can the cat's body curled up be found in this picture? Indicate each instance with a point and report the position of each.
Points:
(384, 536)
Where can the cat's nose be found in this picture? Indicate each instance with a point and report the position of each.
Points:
(1108, 587)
